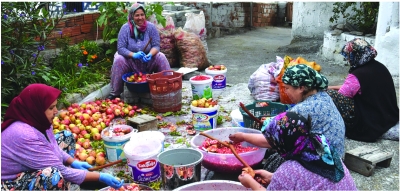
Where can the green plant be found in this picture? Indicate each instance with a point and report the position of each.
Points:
(114, 14)
(364, 14)
(25, 30)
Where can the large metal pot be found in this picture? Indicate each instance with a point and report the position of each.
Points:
(213, 185)
(180, 167)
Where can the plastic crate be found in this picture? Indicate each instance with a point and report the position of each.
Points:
(166, 91)
(262, 109)
(136, 87)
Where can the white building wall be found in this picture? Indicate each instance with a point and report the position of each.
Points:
(311, 19)
(387, 36)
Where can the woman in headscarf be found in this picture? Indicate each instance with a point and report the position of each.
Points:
(131, 56)
(311, 161)
(32, 157)
(305, 87)
(367, 99)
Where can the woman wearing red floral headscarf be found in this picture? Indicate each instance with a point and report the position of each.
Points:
(31, 158)
(312, 163)
(367, 99)
(131, 56)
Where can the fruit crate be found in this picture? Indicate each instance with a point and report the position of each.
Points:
(262, 109)
(166, 91)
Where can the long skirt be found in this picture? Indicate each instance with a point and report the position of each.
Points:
(49, 178)
(123, 65)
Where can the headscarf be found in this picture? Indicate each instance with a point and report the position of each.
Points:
(303, 75)
(29, 107)
(137, 32)
(358, 52)
(289, 134)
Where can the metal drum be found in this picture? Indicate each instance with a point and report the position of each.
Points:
(180, 167)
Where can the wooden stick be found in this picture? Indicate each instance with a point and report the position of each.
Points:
(147, 45)
(106, 165)
(230, 146)
(250, 115)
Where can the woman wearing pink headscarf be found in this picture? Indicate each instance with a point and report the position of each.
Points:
(131, 56)
(31, 155)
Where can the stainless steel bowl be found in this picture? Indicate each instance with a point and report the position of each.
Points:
(213, 185)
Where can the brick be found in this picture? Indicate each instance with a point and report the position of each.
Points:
(66, 32)
(69, 23)
(79, 38)
(86, 28)
(256, 24)
(60, 24)
(88, 17)
(76, 30)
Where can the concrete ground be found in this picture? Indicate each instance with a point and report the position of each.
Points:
(244, 52)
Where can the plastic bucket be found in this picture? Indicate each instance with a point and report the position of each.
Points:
(142, 160)
(114, 145)
(201, 88)
(219, 79)
(204, 118)
(147, 135)
(180, 167)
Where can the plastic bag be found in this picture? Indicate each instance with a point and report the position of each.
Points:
(98, 94)
(196, 23)
(191, 51)
(262, 83)
(167, 42)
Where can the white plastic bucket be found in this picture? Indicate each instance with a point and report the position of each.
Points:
(114, 145)
(219, 79)
(142, 160)
(147, 135)
(204, 118)
(201, 87)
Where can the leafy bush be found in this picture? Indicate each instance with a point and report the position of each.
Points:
(365, 14)
(26, 27)
(114, 14)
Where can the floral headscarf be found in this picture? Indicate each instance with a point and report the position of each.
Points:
(137, 32)
(303, 75)
(358, 52)
(289, 134)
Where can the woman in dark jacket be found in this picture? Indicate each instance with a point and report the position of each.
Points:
(367, 99)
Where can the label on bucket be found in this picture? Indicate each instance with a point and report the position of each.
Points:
(145, 171)
(219, 82)
(114, 150)
(202, 121)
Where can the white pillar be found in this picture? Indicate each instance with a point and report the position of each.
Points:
(387, 36)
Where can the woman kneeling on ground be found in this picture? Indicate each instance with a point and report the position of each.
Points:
(367, 99)
(305, 87)
(32, 157)
(311, 161)
(131, 56)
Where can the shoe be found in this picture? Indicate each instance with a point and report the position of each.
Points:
(111, 97)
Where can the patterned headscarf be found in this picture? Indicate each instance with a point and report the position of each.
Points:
(358, 52)
(289, 134)
(137, 32)
(29, 107)
(303, 75)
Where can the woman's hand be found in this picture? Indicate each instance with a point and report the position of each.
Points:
(81, 165)
(147, 58)
(249, 182)
(111, 180)
(138, 55)
(237, 137)
(263, 175)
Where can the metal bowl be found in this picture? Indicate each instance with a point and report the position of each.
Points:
(141, 187)
(228, 163)
(213, 185)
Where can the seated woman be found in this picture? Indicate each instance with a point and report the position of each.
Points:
(367, 99)
(31, 157)
(131, 56)
(311, 161)
(306, 87)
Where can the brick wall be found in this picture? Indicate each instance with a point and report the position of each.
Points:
(264, 14)
(77, 27)
(238, 14)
